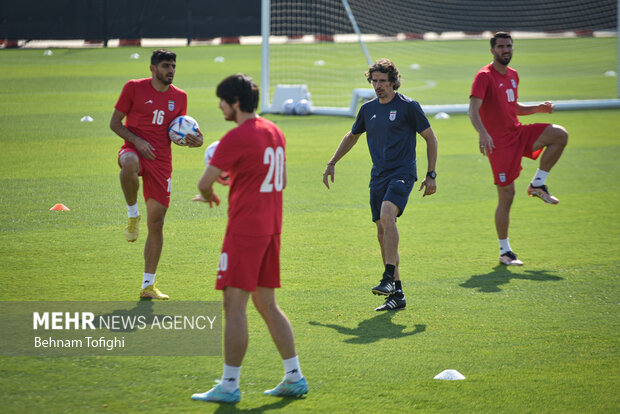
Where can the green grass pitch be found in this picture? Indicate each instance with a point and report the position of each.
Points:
(541, 338)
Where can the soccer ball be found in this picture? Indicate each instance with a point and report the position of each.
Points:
(209, 152)
(303, 107)
(180, 127)
(288, 107)
(224, 177)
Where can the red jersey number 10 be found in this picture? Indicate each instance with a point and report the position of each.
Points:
(274, 180)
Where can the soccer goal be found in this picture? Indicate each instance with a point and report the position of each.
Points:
(318, 50)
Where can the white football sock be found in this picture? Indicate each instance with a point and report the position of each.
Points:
(292, 371)
(504, 246)
(230, 378)
(540, 178)
(148, 279)
(132, 211)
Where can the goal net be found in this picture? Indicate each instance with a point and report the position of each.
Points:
(565, 50)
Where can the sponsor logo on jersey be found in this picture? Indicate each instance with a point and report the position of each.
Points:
(373, 117)
(392, 114)
(171, 105)
(150, 101)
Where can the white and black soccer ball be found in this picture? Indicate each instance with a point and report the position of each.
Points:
(180, 127)
(303, 107)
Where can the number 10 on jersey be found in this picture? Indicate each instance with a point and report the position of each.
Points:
(274, 180)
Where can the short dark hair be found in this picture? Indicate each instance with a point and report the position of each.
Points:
(499, 35)
(385, 66)
(160, 55)
(239, 88)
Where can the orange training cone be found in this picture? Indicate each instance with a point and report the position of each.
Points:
(60, 207)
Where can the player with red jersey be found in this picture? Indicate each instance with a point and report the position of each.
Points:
(253, 153)
(149, 105)
(493, 110)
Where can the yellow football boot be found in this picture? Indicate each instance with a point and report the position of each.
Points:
(152, 292)
(132, 230)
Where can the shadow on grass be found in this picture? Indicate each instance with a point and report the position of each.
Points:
(373, 329)
(278, 404)
(501, 275)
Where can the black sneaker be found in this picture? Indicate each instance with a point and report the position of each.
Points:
(393, 302)
(385, 287)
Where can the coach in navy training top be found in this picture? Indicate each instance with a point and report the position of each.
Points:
(391, 122)
(391, 135)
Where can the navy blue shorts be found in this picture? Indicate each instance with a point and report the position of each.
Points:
(396, 190)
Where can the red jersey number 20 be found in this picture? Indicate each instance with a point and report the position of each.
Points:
(274, 180)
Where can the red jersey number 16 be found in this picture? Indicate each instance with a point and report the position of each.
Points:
(274, 180)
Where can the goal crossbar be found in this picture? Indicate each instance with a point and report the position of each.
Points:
(359, 95)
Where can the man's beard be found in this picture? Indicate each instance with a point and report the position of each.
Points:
(504, 60)
(164, 79)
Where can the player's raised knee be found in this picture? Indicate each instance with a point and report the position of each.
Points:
(129, 163)
(560, 135)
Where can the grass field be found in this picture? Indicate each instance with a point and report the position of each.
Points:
(541, 338)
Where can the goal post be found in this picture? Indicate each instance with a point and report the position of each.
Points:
(319, 50)
(264, 70)
(301, 36)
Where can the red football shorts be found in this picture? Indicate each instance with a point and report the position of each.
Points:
(506, 161)
(249, 261)
(156, 177)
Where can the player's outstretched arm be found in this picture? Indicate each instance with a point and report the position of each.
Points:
(541, 108)
(205, 186)
(349, 140)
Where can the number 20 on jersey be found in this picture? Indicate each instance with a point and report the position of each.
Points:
(274, 180)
